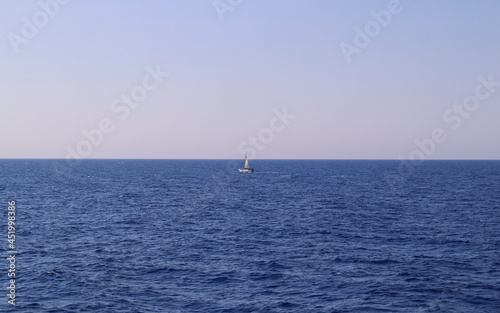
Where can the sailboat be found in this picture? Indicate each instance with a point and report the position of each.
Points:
(247, 168)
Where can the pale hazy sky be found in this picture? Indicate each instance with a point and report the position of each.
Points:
(227, 77)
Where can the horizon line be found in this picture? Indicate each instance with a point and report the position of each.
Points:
(230, 159)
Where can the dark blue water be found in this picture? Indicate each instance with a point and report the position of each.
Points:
(296, 236)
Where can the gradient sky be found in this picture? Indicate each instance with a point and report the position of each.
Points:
(226, 78)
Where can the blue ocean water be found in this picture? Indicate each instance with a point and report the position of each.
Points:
(295, 236)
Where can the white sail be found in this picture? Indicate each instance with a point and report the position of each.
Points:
(247, 168)
(246, 162)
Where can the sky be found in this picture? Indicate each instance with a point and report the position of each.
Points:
(281, 79)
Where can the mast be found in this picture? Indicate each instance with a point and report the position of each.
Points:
(246, 161)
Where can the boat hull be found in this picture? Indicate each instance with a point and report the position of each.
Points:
(246, 170)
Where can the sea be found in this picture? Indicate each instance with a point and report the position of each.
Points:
(294, 236)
